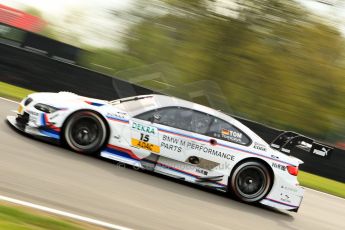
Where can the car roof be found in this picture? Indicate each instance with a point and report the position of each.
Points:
(160, 101)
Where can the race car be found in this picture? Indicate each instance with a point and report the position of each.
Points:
(170, 136)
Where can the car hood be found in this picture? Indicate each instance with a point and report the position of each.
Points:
(63, 98)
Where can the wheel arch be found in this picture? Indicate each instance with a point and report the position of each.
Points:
(267, 165)
(107, 125)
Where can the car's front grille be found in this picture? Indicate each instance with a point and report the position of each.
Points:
(23, 119)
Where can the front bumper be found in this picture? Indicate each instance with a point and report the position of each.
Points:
(21, 123)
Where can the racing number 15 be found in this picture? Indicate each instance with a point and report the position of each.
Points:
(144, 137)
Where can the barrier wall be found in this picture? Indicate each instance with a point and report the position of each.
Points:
(34, 71)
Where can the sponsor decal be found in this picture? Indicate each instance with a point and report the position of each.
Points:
(144, 128)
(212, 151)
(290, 189)
(323, 152)
(285, 150)
(174, 140)
(171, 147)
(230, 135)
(220, 154)
(275, 146)
(145, 137)
(145, 145)
(279, 166)
(285, 198)
(177, 144)
(118, 114)
(172, 143)
(260, 147)
(202, 171)
(195, 145)
(225, 132)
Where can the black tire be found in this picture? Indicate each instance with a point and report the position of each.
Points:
(85, 132)
(251, 181)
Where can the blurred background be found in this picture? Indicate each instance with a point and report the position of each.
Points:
(278, 62)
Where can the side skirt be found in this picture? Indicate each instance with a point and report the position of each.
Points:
(159, 165)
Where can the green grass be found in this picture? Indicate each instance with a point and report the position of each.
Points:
(13, 92)
(306, 179)
(20, 218)
(322, 184)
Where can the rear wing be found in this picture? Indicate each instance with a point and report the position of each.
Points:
(287, 141)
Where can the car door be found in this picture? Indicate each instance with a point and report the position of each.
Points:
(167, 122)
(182, 138)
(229, 143)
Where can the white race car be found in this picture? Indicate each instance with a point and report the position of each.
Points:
(173, 137)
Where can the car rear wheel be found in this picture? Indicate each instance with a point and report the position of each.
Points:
(251, 181)
(85, 132)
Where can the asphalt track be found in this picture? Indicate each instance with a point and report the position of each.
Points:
(48, 175)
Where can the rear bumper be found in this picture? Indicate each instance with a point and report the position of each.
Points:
(285, 196)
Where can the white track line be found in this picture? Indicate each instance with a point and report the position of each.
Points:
(5, 99)
(325, 194)
(62, 213)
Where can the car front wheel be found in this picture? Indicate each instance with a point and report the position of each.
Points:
(85, 132)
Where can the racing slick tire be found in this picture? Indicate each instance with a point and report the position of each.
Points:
(251, 181)
(85, 132)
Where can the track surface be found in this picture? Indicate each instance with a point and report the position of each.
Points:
(55, 177)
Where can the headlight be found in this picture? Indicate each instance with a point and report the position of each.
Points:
(45, 108)
(27, 101)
